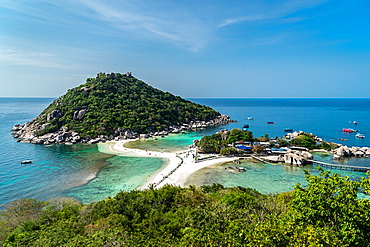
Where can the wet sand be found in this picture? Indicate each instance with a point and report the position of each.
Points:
(180, 165)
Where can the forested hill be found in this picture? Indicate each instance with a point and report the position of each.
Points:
(118, 101)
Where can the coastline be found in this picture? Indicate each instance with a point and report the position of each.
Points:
(56, 165)
(179, 168)
(177, 165)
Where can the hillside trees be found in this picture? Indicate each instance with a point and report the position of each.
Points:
(239, 135)
(304, 140)
(218, 143)
(120, 102)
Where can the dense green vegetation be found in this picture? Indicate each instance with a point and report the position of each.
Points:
(308, 141)
(120, 101)
(222, 142)
(326, 212)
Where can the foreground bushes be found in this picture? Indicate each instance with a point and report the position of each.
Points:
(325, 213)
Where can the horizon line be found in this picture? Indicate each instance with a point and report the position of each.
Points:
(52, 97)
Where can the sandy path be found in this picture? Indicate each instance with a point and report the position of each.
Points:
(180, 167)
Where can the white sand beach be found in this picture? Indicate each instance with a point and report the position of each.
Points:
(180, 167)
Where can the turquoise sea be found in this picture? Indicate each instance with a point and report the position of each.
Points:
(84, 172)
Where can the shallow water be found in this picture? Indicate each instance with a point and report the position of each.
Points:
(121, 174)
(54, 169)
(89, 175)
(266, 178)
(172, 142)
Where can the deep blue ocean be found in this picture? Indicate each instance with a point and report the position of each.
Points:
(81, 171)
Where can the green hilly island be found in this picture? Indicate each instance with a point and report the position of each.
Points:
(112, 105)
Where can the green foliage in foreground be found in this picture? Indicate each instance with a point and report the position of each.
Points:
(326, 212)
(121, 102)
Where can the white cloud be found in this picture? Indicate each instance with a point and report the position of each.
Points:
(37, 59)
(180, 28)
(190, 24)
(230, 21)
(273, 11)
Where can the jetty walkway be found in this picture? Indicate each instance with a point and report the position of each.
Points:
(342, 167)
(259, 159)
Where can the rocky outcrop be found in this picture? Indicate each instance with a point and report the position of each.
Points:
(297, 133)
(54, 114)
(344, 151)
(16, 127)
(297, 158)
(79, 114)
(28, 132)
(86, 90)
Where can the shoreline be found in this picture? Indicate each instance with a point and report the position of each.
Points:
(176, 172)
(178, 168)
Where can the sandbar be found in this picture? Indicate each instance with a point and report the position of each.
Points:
(180, 165)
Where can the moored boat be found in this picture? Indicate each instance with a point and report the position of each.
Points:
(347, 130)
(250, 118)
(26, 161)
(270, 122)
(359, 135)
(288, 129)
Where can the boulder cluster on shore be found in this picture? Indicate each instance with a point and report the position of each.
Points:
(342, 151)
(297, 157)
(339, 150)
(26, 132)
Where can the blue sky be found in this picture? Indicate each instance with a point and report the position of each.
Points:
(192, 48)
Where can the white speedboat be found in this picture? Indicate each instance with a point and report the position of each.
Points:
(359, 135)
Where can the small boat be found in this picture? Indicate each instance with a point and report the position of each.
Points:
(341, 139)
(26, 161)
(250, 118)
(288, 129)
(347, 130)
(359, 135)
(270, 122)
(245, 126)
(355, 122)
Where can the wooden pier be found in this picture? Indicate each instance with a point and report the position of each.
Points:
(259, 159)
(342, 167)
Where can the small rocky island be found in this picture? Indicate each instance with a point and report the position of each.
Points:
(115, 106)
